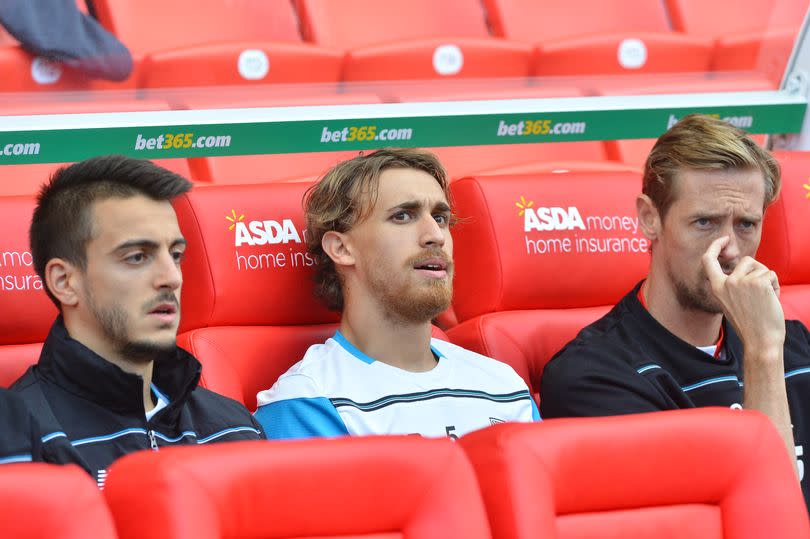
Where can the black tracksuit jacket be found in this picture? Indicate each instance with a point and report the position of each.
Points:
(19, 434)
(91, 412)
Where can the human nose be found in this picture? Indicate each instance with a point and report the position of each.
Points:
(432, 234)
(168, 273)
(731, 251)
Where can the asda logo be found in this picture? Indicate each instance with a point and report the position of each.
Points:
(553, 218)
(268, 232)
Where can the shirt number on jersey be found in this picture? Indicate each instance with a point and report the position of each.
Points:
(799, 463)
(449, 430)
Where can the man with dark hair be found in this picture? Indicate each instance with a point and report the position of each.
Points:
(379, 227)
(19, 434)
(111, 379)
(706, 327)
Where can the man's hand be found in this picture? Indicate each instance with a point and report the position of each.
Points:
(750, 299)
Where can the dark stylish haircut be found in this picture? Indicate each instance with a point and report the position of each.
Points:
(346, 196)
(61, 226)
(700, 142)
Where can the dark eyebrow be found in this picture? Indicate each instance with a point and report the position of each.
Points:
(699, 215)
(408, 205)
(146, 244)
(443, 207)
(415, 205)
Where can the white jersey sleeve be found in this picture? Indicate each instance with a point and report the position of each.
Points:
(295, 407)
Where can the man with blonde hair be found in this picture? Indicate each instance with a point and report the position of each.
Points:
(705, 328)
(379, 228)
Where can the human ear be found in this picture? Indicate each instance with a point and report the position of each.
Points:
(336, 247)
(62, 279)
(649, 220)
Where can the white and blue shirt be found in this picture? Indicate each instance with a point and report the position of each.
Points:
(337, 390)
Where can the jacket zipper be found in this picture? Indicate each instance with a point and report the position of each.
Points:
(152, 441)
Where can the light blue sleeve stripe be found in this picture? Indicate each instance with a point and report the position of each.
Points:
(300, 418)
(535, 412)
(16, 458)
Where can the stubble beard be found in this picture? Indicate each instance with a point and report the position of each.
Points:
(114, 323)
(695, 298)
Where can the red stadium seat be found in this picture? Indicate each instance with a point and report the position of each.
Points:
(749, 36)
(247, 258)
(203, 43)
(353, 24)
(27, 179)
(709, 473)
(726, 17)
(785, 245)
(599, 38)
(623, 54)
(566, 231)
(408, 39)
(39, 501)
(28, 311)
(438, 58)
(252, 314)
(34, 73)
(155, 25)
(530, 21)
(375, 487)
(255, 63)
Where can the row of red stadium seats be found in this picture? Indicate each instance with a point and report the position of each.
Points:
(247, 273)
(193, 43)
(568, 478)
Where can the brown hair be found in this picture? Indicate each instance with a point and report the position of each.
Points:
(61, 225)
(346, 196)
(700, 142)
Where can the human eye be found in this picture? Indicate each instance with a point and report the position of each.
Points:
(747, 225)
(703, 223)
(402, 216)
(442, 218)
(135, 258)
(178, 255)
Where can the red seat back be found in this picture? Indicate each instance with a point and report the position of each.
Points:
(724, 17)
(247, 258)
(27, 311)
(532, 259)
(237, 286)
(374, 487)
(562, 230)
(685, 473)
(785, 245)
(39, 501)
(532, 21)
(351, 24)
(154, 25)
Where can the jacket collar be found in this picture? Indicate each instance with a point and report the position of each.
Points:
(78, 370)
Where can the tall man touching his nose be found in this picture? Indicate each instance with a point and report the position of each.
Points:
(705, 328)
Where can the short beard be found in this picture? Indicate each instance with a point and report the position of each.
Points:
(113, 321)
(402, 305)
(695, 299)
